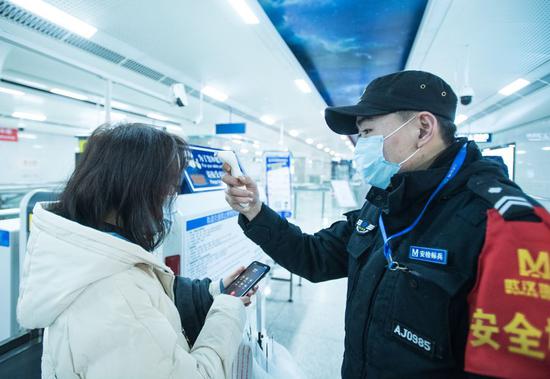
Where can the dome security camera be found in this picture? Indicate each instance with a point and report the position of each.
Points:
(179, 96)
(466, 95)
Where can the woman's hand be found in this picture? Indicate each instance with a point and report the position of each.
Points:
(246, 299)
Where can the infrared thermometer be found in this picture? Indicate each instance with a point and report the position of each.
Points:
(230, 158)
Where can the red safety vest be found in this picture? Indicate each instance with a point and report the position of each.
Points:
(509, 334)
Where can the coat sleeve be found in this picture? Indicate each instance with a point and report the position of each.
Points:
(138, 341)
(318, 257)
(193, 301)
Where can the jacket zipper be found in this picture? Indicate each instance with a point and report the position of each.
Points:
(354, 284)
(369, 320)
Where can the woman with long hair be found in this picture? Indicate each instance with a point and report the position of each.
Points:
(106, 303)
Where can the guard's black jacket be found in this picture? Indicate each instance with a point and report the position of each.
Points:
(400, 324)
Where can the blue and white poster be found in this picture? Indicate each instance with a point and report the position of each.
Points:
(279, 182)
(204, 172)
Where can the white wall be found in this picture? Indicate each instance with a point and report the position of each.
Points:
(45, 159)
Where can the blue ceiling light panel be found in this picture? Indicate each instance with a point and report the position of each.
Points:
(344, 44)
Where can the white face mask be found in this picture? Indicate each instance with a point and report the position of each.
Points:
(373, 168)
(168, 211)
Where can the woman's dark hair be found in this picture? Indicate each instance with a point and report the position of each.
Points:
(126, 174)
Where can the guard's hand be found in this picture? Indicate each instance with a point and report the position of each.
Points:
(247, 194)
(246, 299)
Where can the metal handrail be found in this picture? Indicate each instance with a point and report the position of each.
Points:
(14, 187)
(9, 212)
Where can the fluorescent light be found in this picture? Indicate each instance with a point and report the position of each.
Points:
(244, 151)
(157, 116)
(242, 8)
(27, 135)
(302, 85)
(521, 152)
(459, 119)
(320, 145)
(546, 148)
(258, 153)
(309, 141)
(327, 149)
(516, 85)
(12, 92)
(64, 92)
(267, 119)
(174, 129)
(294, 133)
(115, 116)
(29, 116)
(214, 93)
(57, 16)
(226, 147)
(119, 105)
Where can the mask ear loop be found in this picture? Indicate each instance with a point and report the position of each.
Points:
(398, 129)
(395, 131)
(409, 157)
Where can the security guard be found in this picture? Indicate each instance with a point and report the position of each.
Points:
(411, 252)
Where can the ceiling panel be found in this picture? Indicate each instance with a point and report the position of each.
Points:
(343, 45)
(504, 39)
(207, 42)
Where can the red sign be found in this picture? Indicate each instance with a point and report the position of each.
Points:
(173, 262)
(8, 134)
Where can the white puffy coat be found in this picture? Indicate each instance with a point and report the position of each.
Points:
(108, 312)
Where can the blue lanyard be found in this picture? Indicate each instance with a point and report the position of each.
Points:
(455, 167)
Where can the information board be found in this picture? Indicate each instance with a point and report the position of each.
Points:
(10, 135)
(204, 171)
(477, 137)
(215, 245)
(231, 128)
(207, 238)
(279, 182)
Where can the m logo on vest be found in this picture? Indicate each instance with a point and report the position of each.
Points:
(538, 268)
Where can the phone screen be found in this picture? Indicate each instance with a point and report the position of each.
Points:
(247, 279)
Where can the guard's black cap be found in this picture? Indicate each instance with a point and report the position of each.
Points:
(400, 91)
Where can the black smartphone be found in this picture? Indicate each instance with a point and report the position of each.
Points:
(247, 279)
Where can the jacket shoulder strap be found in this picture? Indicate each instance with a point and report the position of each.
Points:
(505, 196)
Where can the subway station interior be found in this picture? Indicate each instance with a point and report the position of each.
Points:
(417, 254)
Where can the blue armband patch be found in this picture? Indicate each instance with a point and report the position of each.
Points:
(428, 254)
